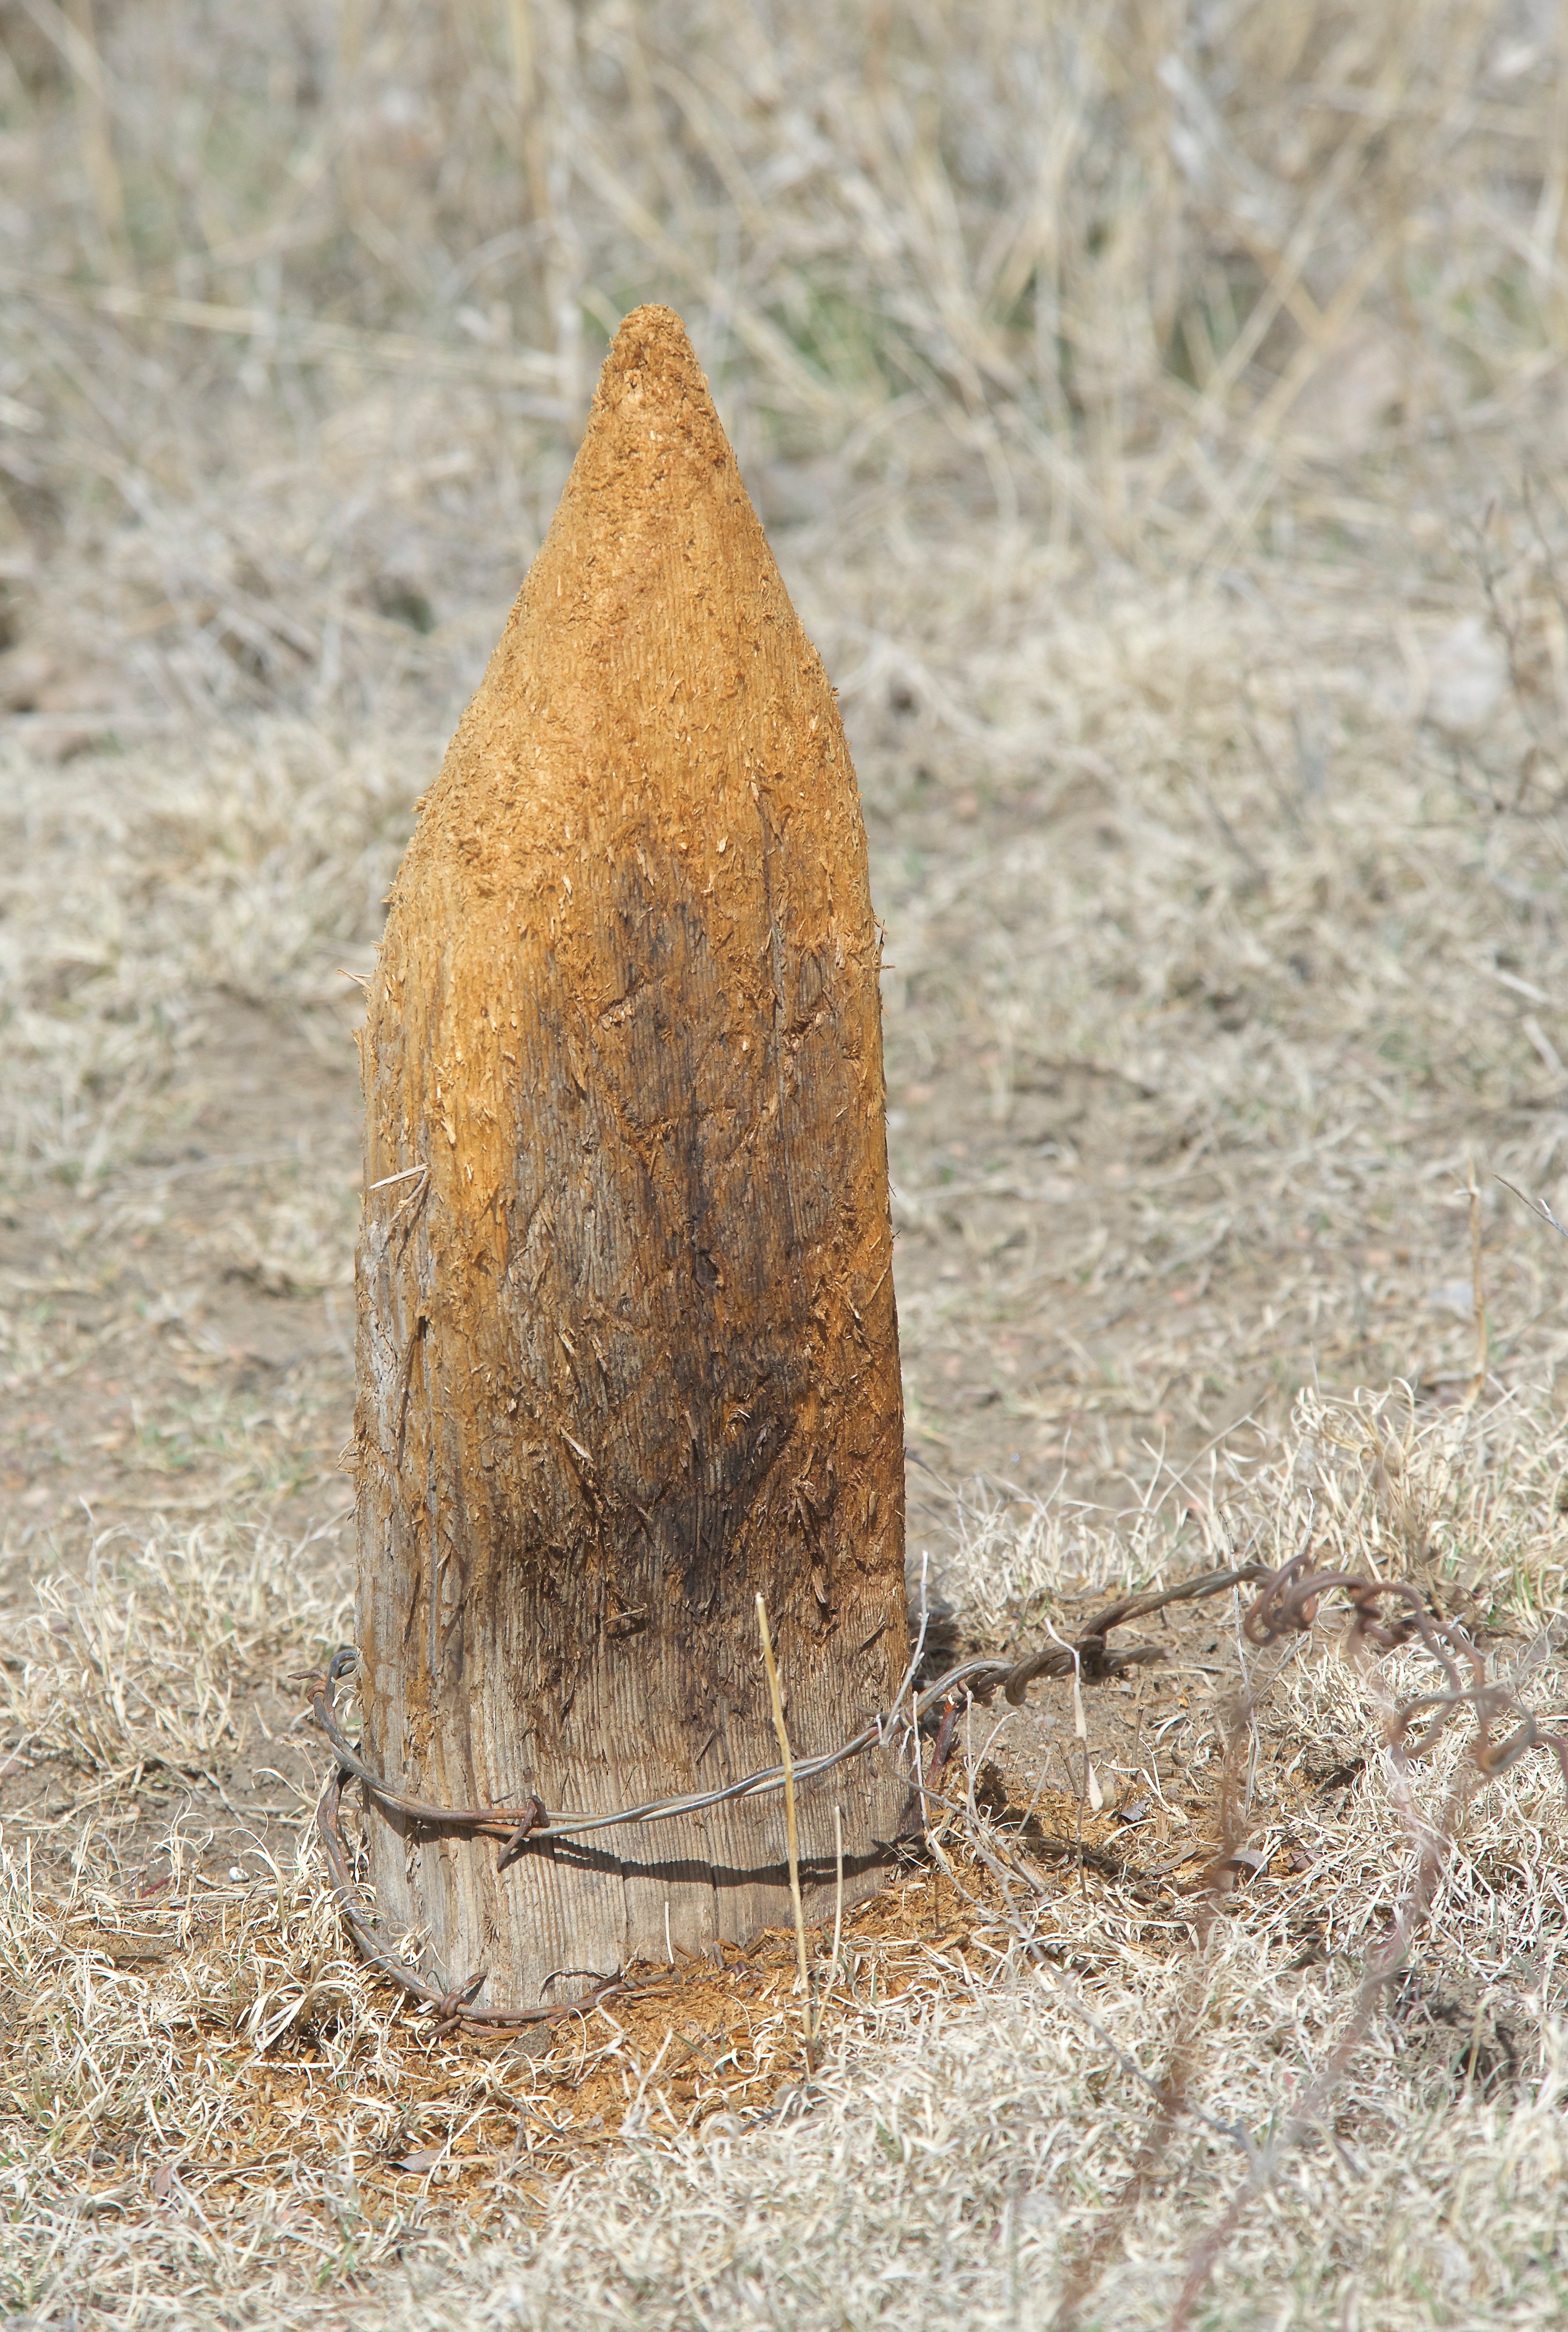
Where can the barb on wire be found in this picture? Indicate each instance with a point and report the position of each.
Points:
(453, 2006)
(1290, 1601)
(1094, 1658)
(530, 1823)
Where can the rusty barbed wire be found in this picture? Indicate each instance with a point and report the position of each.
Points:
(519, 1828)
(453, 2005)
(532, 1823)
(1289, 1603)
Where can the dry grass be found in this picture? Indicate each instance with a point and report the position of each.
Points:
(211, 2107)
(135, 894)
(1157, 414)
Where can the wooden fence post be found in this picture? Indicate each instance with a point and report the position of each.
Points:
(627, 1352)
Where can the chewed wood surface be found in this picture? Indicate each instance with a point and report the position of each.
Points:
(627, 1344)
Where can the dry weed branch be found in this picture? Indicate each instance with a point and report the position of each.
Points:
(1289, 1603)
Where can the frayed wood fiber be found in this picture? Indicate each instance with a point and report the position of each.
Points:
(627, 1351)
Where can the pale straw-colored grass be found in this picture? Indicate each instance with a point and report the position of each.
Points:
(199, 2071)
(1157, 413)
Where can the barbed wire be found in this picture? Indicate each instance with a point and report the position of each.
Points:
(1289, 1604)
(530, 1823)
(454, 2004)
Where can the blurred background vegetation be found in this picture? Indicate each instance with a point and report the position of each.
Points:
(302, 304)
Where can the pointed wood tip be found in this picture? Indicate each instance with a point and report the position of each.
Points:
(651, 358)
(652, 390)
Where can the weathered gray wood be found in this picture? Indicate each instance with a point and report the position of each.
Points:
(627, 1350)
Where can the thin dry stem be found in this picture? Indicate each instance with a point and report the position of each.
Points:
(791, 1832)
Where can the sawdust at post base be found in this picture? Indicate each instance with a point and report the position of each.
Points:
(627, 1352)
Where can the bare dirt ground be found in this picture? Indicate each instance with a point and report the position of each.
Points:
(179, 1368)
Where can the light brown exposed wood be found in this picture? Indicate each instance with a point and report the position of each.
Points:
(627, 1351)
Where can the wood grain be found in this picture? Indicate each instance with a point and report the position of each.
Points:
(626, 1347)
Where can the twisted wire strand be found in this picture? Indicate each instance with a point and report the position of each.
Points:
(454, 2005)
